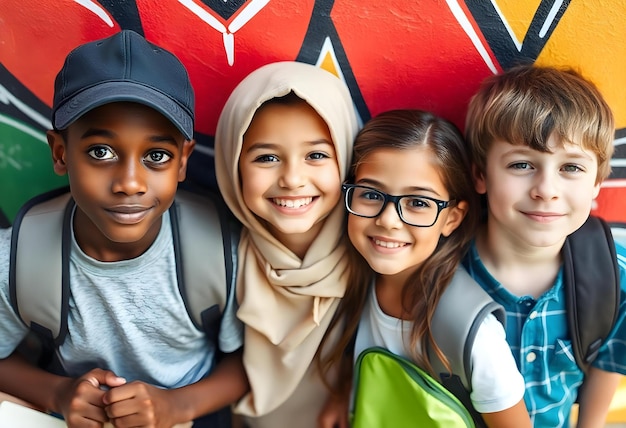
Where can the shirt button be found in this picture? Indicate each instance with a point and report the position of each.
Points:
(533, 315)
(530, 357)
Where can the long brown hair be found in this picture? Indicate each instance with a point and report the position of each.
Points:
(407, 130)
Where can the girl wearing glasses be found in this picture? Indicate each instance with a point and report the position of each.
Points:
(412, 212)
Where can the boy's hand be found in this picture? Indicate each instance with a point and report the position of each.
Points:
(82, 402)
(138, 404)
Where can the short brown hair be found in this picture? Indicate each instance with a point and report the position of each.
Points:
(527, 104)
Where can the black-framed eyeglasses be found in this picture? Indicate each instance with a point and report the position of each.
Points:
(414, 210)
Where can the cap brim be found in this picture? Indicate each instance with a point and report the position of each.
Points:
(110, 92)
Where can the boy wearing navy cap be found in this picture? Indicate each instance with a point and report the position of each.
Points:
(123, 115)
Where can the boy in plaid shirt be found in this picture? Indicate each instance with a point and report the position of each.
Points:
(541, 141)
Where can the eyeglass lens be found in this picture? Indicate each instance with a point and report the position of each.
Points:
(415, 210)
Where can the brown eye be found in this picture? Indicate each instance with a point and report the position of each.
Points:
(101, 152)
(157, 157)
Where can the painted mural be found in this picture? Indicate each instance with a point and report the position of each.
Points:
(429, 54)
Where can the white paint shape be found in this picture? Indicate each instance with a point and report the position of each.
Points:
(458, 13)
(96, 9)
(228, 34)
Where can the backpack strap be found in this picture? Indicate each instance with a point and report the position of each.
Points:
(592, 288)
(39, 265)
(200, 226)
(459, 314)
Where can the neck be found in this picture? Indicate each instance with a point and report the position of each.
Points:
(389, 295)
(523, 270)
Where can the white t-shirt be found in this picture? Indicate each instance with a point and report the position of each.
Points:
(128, 317)
(496, 382)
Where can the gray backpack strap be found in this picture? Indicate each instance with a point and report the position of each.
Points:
(205, 245)
(39, 264)
(460, 312)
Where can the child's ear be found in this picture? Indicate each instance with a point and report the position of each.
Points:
(57, 149)
(480, 183)
(596, 190)
(188, 146)
(455, 217)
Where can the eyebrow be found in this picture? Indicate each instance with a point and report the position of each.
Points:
(526, 150)
(272, 146)
(378, 185)
(105, 133)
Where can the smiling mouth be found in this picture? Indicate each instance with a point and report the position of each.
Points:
(128, 215)
(543, 217)
(387, 244)
(292, 203)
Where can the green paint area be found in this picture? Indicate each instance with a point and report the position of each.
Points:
(25, 168)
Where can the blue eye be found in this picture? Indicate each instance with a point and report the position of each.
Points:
(520, 165)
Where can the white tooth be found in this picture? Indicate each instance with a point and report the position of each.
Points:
(388, 244)
(290, 203)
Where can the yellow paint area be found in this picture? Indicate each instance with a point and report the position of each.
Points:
(328, 64)
(590, 38)
(518, 15)
(618, 406)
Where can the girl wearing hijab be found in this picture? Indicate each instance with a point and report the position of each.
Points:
(282, 148)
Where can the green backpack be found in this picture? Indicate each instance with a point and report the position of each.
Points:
(420, 401)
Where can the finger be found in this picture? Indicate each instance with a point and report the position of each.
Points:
(88, 390)
(123, 408)
(92, 380)
(124, 392)
(89, 416)
(133, 420)
(104, 377)
(131, 413)
(86, 405)
(112, 380)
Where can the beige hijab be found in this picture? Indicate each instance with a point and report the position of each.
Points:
(286, 303)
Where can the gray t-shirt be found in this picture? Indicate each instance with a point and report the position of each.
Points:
(128, 317)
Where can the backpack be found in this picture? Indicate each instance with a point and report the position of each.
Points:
(387, 387)
(205, 239)
(419, 401)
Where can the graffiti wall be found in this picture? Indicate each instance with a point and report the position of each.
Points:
(429, 54)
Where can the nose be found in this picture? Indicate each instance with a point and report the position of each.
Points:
(292, 176)
(545, 186)
(130, 178)
(389, 218)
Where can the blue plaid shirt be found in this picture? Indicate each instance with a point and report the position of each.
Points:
(539, 337)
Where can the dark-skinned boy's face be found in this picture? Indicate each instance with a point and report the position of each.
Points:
(124, 162)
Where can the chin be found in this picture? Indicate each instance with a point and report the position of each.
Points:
(384, 269)
(294, 228)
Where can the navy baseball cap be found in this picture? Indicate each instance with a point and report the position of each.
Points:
(123, 67)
